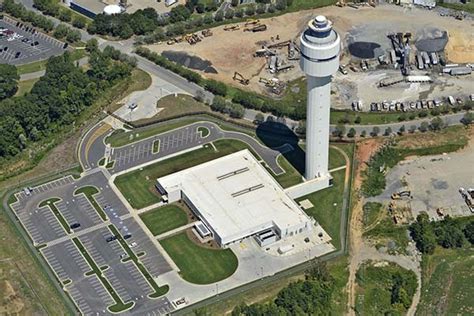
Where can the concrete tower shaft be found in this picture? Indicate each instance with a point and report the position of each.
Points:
(320, 49)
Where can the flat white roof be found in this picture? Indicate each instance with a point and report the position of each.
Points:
(237, 196)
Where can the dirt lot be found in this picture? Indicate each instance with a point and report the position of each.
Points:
(230, 51)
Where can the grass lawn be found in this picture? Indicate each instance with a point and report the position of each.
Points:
(199, 265)
(290, 177)
(377, 288)
(173, 106)
(25, 87)
(327, 207)
(372, 211)
(165, 218)
(447, 282)
(204, 131)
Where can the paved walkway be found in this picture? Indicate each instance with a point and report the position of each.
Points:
(175, 231)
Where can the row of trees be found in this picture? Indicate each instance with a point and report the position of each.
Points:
(125, 25)
(53, 8)
(181, 20)
(247, 99)
(57, 99)
(448, 233)
(17, 10)
(220, 104)
(64, 32)
(311, 296)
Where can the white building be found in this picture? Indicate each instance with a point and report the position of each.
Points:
(320, 49)
(235, 197)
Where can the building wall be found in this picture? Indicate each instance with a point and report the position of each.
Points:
(82, 10)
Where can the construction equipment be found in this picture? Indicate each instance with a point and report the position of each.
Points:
(284, 68)
(258, 28)
(264, 52)
(240, 78)
(440, 212)
(252, 22)
(402, 49)
(279, 45)
(293, 51)
(234, 27)
(276, 86)
(399, 195)
(206, 33)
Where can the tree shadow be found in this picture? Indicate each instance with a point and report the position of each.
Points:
(278, 136)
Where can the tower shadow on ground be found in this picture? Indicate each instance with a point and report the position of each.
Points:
(279, 137)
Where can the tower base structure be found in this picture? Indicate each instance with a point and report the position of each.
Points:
(309, 186)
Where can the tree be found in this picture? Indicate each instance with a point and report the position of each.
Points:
(92, 45)
(424, 127)
(467, 118)
(216, 87)
(239, 13)
(235, 3)
(65, 15)
(388, 131)
(250, 10)
(357, 120)
(339, 131)
(375, 131)
(436, 124)
(469, 232)
(8, 81)
(363, 133)
(218, 104)
(280, 5)
(61, 31)
(351, 132)
(236, 110)
(219, 16)
(261, 8)
(73, 36)
(401, 130)
(259, 118)
(229, 14)
(79, 22)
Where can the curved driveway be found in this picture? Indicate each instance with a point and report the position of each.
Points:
(93, 148)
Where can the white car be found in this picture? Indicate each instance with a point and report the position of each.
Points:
(133, 244)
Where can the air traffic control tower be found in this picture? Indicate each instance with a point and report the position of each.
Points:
(320, 48)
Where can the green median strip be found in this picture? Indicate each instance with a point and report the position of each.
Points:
(156, 146)
(89, 192)
(50, 203)
(159, 290)
(119, 305)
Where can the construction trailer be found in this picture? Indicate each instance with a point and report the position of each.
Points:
(419, 61)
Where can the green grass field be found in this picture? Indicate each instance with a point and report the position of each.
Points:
(165, 218)
(377, 293)
(199, 265)
(327, 207)
(447, 282)
(138, 186)
(372, 211)
(25, 86)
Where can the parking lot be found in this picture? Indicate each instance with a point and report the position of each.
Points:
(153, 260)
(169, 143)
(69, 265)
(24, 44)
